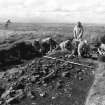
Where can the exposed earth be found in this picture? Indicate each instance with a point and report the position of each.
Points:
(44, 81)
(37, 80)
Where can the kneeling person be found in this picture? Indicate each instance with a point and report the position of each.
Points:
(83, 49)
(101, 49)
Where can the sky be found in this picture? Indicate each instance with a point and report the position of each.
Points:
(87, 11)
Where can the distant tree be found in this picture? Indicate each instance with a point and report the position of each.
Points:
(8, 22)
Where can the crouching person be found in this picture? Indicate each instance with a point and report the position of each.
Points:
(65, 46)
(81, 48)
(48, 45)
(84, 49)
(101, 49)
(101, 52)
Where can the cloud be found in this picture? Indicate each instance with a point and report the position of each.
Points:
(56, 10)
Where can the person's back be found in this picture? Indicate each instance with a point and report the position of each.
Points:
(65, 45)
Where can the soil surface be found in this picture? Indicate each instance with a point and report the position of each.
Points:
(96, 94)
(45, 81)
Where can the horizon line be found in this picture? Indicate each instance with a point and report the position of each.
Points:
(55, 22)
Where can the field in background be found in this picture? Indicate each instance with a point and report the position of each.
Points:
(61, 31)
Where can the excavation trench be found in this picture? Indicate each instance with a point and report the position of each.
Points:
(74, 86)
(58, 83)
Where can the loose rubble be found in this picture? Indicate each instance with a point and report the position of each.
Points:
(45, 80)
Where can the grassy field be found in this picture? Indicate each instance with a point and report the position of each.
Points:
(58, 31)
